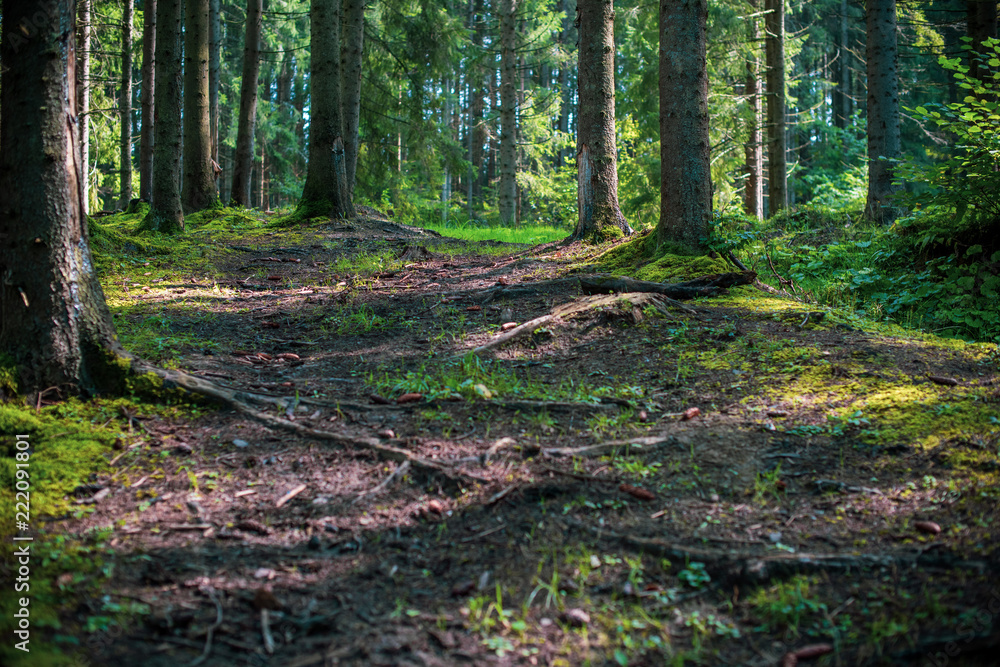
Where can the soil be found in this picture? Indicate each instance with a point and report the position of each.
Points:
(733, 534)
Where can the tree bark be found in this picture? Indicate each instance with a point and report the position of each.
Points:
(325, 191)
(685, 174)
(84, 32)
(243, 158)
(53, 318)
(351, 52)
(840, 95)
(214, 65)
(199, 177)
(599, 216)
(981, 25)
(165, 214)
(753, 189)
(125, 106)
(883, 108)
(774, 54)
(508, 114)
(146, 131)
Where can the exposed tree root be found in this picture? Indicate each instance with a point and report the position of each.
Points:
(704, 286)
(239, 402)
(756, 568)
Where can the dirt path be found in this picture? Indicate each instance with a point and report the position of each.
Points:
(785, 513)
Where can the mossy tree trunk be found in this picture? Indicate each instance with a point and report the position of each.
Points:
(243, 157)
(199, 176)
(82, 78)
(599, 216)
(325, 191)
(351, 56)
(146, 130)
(54, 322)
(883, 108)
(165, 214)
(685, 175)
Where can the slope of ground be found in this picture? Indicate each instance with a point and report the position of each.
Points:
(725, 481)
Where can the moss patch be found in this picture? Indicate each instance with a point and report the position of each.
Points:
(635, 258)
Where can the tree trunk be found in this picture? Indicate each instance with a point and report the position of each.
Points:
(508, 114)
(325, 191)
(564, 87)
(53, 318)
(599, 217)
(685, 175)
(146, 132)
(883, 108)
(165, 214)
(243, 159)
(214, 64)
(840, 96)
(774, 53)
(84, 32)
(125, 106)
(982, 25)
(351, 52)
(477, 128)
(199, 177)
(753, 189)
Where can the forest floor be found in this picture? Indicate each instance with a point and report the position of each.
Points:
(566, 504)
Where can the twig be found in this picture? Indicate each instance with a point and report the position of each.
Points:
(400, 470)
(265, 630)
(604, 447)
(211, 630)
(580, 476)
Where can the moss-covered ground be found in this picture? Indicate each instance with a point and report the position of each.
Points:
(159, 517)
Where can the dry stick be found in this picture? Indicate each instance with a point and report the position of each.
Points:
(516, 332)
(604, 447)
(400, 470)
(211, 630)
(265, 630)
(580, 476)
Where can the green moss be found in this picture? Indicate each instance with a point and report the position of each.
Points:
(8, 377)
(635, 258)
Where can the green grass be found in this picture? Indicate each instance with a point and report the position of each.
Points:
(527, 234)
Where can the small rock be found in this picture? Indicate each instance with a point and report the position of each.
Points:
(774, 537)
(484, 580)
(643, 416)
(436, 506)
(386, 433)
(506, 315)
(264, 573)
(714, 497)
(545, 622)
(241, 443)
(576, 617)
(595, 562)
(690, 413)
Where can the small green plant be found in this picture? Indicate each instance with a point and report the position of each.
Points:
(787, 605)
(694, 575)
(767, 485)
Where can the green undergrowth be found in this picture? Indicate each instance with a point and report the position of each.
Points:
(524, 234)
(914, 273)
(473, 378)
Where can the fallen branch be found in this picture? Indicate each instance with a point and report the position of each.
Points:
(518, 331)
(605, 447)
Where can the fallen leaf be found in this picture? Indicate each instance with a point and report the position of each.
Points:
(507, 326)
(690, 413)
(378, 400)
(409, 398)
(436, 506)
(240, 353)
(637, 492)
(274, 277)
(288, 356)
(927, 527)
(473, 309)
